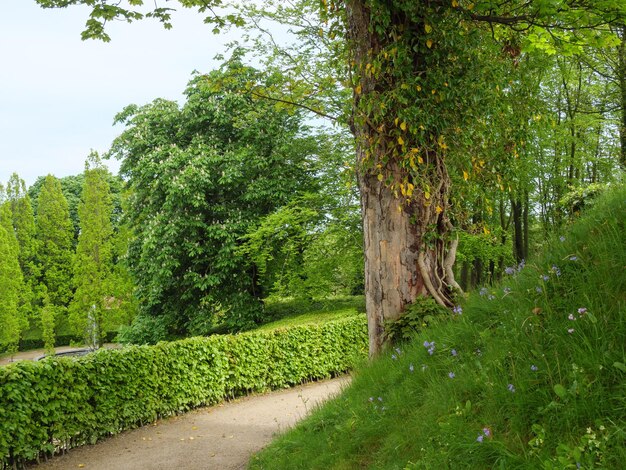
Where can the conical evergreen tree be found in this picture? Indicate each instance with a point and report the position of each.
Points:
(12, 318)
(23, 218)
(93, 265)
(54, 245)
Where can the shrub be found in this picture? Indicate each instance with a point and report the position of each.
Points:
(416, 317)
(60, 403)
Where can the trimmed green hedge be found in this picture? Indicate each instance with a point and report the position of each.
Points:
(60, 403)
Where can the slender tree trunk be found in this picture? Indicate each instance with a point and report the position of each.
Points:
(525, 222)
(518, 233)
(399, 265)
(622, 86)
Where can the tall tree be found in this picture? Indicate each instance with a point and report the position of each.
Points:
(23, 219)
(12, 318)
(54, 244)
(93, 301)
(200, 177)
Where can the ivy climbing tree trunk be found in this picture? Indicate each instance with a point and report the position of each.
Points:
(399, 212)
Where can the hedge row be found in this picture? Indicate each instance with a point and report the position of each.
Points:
(60, 403)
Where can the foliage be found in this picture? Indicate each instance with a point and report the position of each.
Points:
(54, 242)
(310, 248)
(93, 306)
(531, 374)
(417, 316)
(23, 218)
(72, 187)
(12, 317)
(582, 197)
(200, 177)
(63, 402)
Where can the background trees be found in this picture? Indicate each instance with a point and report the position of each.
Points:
(201, 176)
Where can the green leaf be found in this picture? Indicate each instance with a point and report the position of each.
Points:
(560, 390)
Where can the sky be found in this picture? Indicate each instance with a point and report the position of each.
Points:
(59, 95)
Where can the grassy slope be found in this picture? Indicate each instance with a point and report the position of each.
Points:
(533, 384)
(286, 313)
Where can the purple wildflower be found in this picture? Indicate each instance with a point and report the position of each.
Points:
(371, 399)
(398, 350)
(457, 310)
(491, 297)
(562, 238)
(545, 277)
(507, 290)
(394, 357)
(538, 289)
(534, 368)
(521, 265)
(570, 330)
(483, 291)
(582, 311)
(509, 270)
(480, 438)
(571, 317)
(511, 388)
(411, 368)
(451, 375)
(454, 352)
(380, 398)
(556, 270)
(487, 432)
(573, 258)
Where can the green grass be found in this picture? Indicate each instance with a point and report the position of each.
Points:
(288, 313)
(533, 382)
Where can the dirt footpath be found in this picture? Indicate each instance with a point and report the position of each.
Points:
(221, 437)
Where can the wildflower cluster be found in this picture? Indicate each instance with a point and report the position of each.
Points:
(486, 432)
(430, 346)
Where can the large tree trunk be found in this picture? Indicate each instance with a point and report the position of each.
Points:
(400, 265)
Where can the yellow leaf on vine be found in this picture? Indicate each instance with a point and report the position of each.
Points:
(455, 4)
(400, 140)
(357, 90)
(428, 28)
(409, 190)
(465, 175)
(380, 176)
(418, 88)
(420, 160)
(486, 230)
(438, 210)
(426, 195)
(429, 43)
(403, 126)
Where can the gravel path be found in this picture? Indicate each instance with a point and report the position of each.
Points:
(219, 437)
